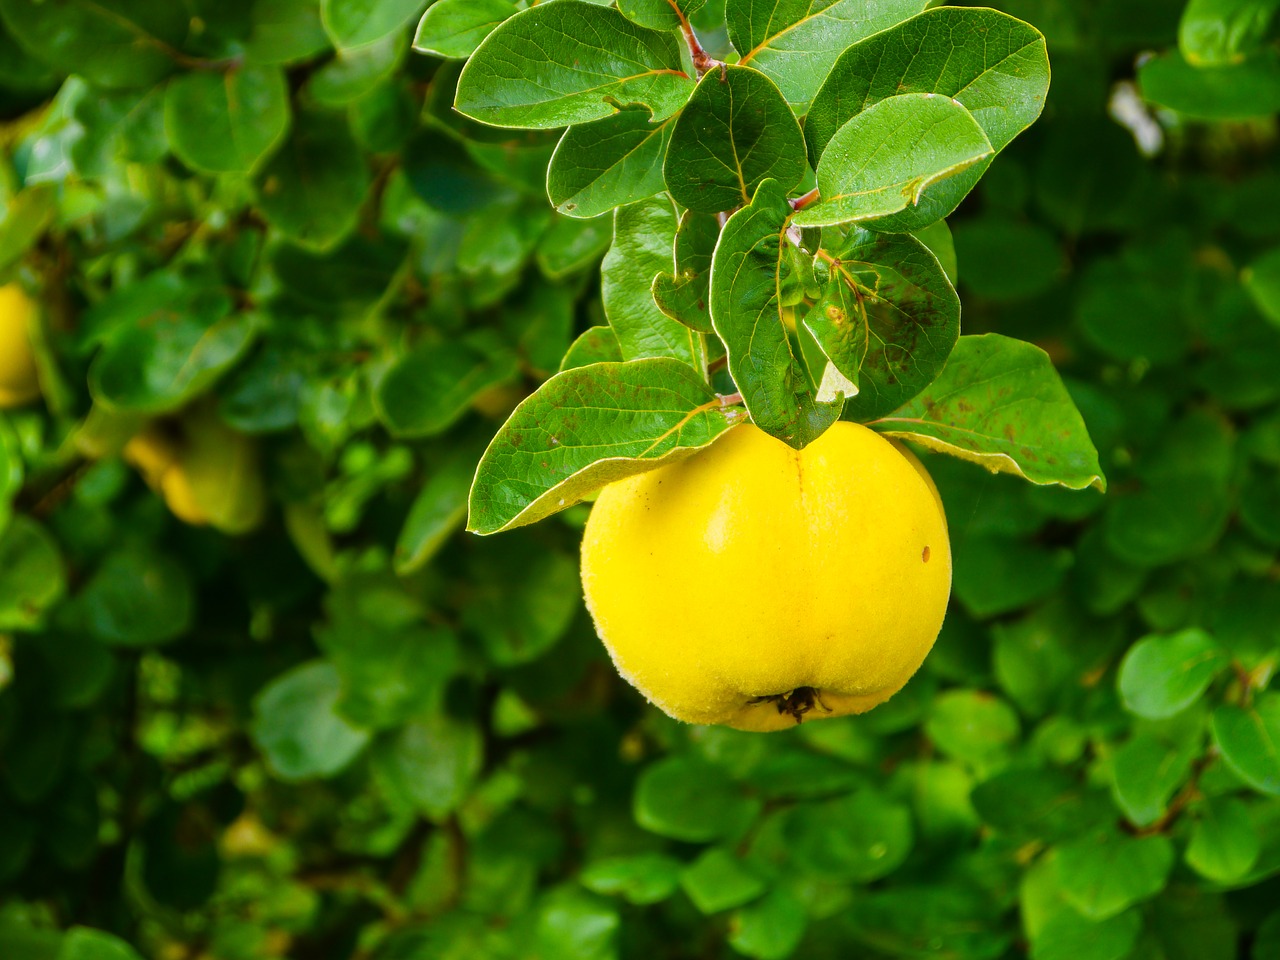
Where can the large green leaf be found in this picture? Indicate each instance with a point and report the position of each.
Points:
(1224, 842)
(1163, 675)
(795, 42)
(32, 575)
(746, 310)
(660, 14)
(884, 159)
(643, 247)
(1249, 738)
(1262, 280)
(909, 309)
(996, 66)
(227, 122)
(112, 43)
(571, 62)
(614, 161)
(735, 132)
(428, 388)
(1235, 91)
(1216, 32)
(685, 295)
(1147, 771)
(297, 726)
(312, 189)
(175, 339)
(1000, 403)
(1102, 877)
(688, 799)
(587, 427)
(454, 28)
(357, 23)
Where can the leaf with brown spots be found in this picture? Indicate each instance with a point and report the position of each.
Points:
(1000, 403)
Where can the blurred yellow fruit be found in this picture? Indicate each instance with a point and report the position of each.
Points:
(19, 382)
(754, 585)
(206, 472)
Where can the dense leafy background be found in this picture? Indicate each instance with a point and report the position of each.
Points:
(355, 731)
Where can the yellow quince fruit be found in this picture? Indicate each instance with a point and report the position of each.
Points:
(19, 380)
(206, 472)
(754, 585)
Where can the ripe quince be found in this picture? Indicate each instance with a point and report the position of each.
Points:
(19, 381)
(207, 473)
(754, 585)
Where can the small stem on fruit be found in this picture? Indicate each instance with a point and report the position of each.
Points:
(729, 399)
(799, 203)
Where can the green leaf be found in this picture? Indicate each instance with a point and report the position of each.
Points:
(596, 345)
(1147, 770)
(452, 29)
(997, 67)
(23, 218)
(1216, 32)
(1163, 675)
(881, 162)
(169, 353)
(1000, 403)
(1069, 936)
(1180, 506)
(570, 246)
(859, 837)
(431, 761)
(391, 665)
(770, 928)
(1262, 279)
(313, 188)
(430, 387)
(357, 72)
(685, 295)
(1233, 92)
(608, 163)
(285, 31)
(660, 14)
(910, 312)
(438, 511)
(1102, 877)
(1224, 842)
(357, 23)
(587, 427)
(1250, 741)
(111, 43)
(1045, 805)
(795, 42)
(524, 601)
(746, 311)
(138, 597)
(32, 577)
(735, 132)
(972, 726)
(573, 925)
(227, 122)
(719, 880)
(297, 725)
(83, 943)
(571, 62)
(996, 573)
(688, 799)
(641, 878)
(643, 242)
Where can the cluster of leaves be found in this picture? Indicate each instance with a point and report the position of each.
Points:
(313, 718)
(833, 303)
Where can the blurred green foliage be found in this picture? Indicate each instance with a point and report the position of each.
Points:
(276, 704)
